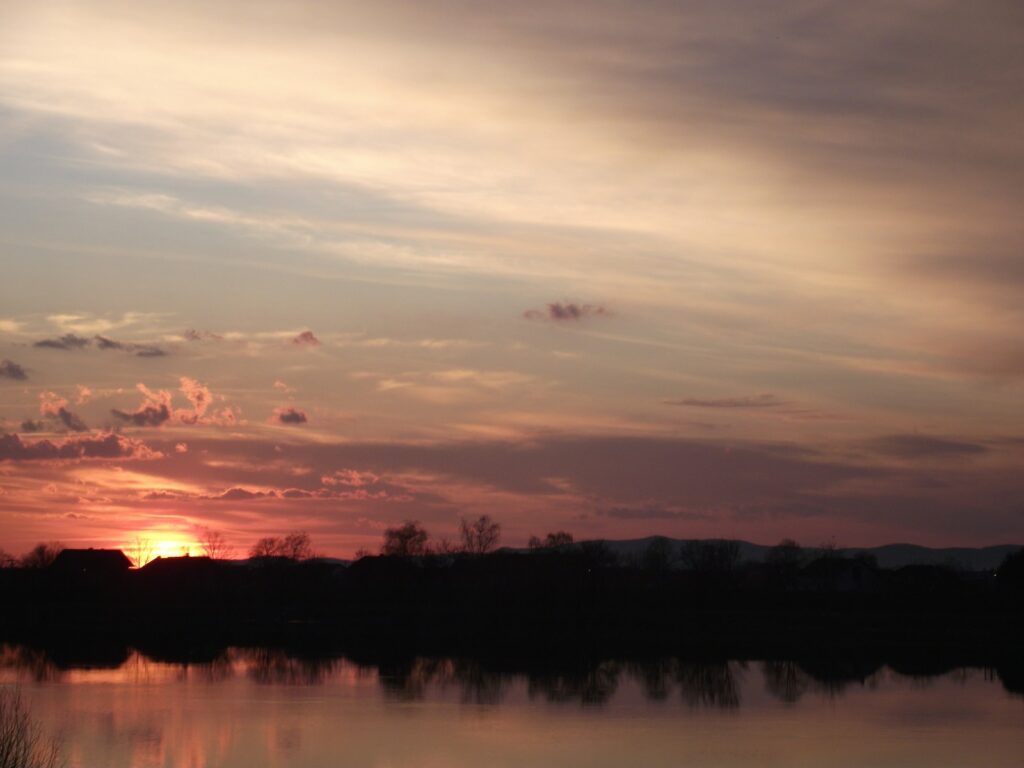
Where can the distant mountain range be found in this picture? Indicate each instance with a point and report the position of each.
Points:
(888, 556)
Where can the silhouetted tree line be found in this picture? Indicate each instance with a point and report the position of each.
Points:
(410, 539)
(471, 594)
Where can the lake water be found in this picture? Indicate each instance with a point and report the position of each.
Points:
(251, 708)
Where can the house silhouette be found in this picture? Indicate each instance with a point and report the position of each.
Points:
(91, 563)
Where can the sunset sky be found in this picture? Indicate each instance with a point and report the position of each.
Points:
(703, 269)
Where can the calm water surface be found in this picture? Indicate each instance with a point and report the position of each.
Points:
(264, 708)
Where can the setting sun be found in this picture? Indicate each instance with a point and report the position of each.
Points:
(149, 545)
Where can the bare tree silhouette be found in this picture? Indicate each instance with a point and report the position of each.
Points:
(295, 546)
(554, 540)
(479, 536)
(406, 540)
(140, 551)
(22, 744)
(41, 555)
(710, 557)
(214, 545)
(265, 547)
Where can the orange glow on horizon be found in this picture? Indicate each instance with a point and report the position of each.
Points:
(149, 545)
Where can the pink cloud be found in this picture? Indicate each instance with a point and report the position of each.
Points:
(200, 397)
(241, 493)
(350, 477)
(157, 407)
(54, 406)
(154, 411)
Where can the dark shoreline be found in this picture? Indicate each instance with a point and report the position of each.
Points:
(566, 605)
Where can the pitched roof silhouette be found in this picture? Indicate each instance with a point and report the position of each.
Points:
(91, 561)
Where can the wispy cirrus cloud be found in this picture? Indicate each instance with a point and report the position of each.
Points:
(89, 324)
(914, 446)
(350, 485)
(651, 512)
(662, 157)
(753, 401)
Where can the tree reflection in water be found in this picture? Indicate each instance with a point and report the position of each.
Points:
(703, 684)
(272, 666)
(712, 685)
(592, 685)
(786, 681)
(410, 679)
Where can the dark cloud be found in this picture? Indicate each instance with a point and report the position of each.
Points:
(755, 401)
(104, 343)
(559, 311)
(924, 446)
(139, 350)
(290, 416)
(104, 446)
(29, 425)
(243, 494)
(54, 407)
(193, 335)
(297, 493)
(629, 472)
(163, 496)
(306, 339)
(146, 415)
(68, 341)
(70, 420)
(784, 489)
(71, 341)
(146, 350)
(11, 370)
